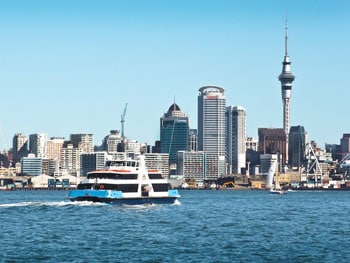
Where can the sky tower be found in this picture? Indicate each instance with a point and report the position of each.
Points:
(286, 78)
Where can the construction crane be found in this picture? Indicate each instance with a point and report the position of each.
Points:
(123, 119)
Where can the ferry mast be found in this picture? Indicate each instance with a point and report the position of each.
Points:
(286, 78)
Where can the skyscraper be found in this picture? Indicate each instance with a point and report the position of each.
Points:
(212, 125)
(235, 138)
(297, 145)
(174, 132)
(286, 78)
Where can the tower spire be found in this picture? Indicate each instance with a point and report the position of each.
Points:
(286, 37)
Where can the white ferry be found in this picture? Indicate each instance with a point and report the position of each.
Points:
(125, 181)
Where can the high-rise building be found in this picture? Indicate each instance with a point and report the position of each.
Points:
(174, 132)
(19, 147)
(235, 139)
(212, 125)
(83, 141)
(38, 144)
(286, 78)
(297, 145)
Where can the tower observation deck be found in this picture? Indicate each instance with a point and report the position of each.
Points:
(286, 78)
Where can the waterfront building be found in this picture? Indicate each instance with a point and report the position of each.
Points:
(83, 141)
(92, 161)
(31, 165)
(272, 141)
(174, 132)
(297, 145)
(235, 139)
(212, 125)
(198, 165)
(158, 161)
(38, 144)
(19, 147)
(191, 165)
(286, 78)
(193, 140)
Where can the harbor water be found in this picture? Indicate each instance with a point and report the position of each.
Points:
(205, 226)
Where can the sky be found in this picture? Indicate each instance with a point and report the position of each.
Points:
(70, 66)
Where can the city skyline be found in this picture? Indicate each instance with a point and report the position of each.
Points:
(70, 67)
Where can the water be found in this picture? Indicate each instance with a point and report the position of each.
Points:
(207, 226)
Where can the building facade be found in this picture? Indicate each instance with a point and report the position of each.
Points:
(38, 144)
(200, 165)
(54, 148)
(83, 141)
(70, 158)
(92, 161)
(158, 161)
(32, 165)
(272, 141)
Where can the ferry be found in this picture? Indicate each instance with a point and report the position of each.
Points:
(125, 181)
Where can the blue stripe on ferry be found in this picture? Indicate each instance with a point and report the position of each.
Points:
(95, 193)
(173, 193)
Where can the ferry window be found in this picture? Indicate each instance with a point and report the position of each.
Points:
(160, 187)
(155, 176)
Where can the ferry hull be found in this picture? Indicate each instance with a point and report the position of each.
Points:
(128, 201)
(116, 197)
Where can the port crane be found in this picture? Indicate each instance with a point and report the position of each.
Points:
(123, 119)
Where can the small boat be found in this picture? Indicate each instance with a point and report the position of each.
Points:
(274, 188)
(126, 181)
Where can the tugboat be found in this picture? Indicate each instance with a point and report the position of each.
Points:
(126, 181)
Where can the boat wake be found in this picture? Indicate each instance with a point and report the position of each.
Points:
(177, 202)
(55, 204)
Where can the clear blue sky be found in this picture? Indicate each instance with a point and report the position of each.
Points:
(69, 66)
